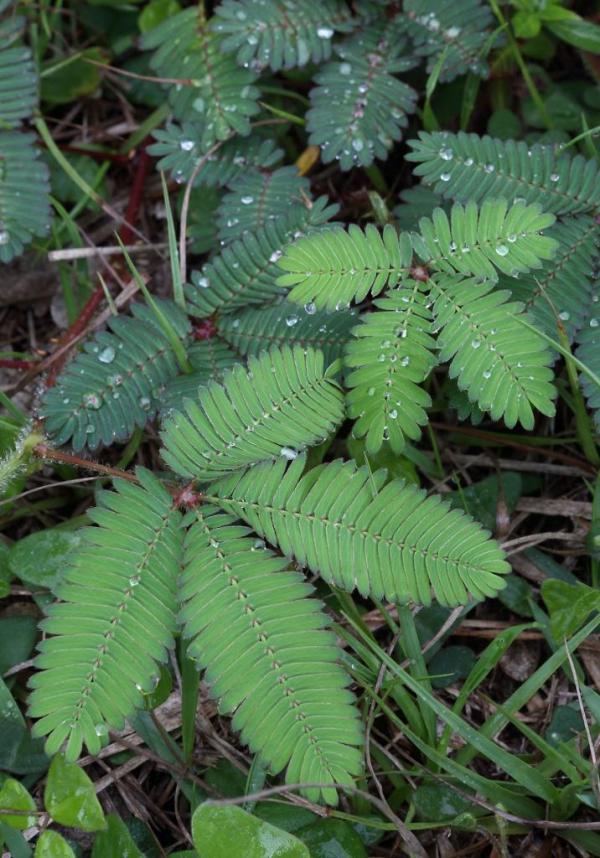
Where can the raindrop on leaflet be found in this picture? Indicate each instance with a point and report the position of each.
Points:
(489, 168)
(345, 68)
(202, 282)
(452, 32)
(502, 250)
(107, 355)
(393, 414)
(4, 236)
(310, 308)
(469, 162)
(324, 32)
(487, 373)
(198, 104)
(475, 344)
(405, 361)
(371, 391)
(554, 177)
(291, 321)
(92, 400)
(277, 254)
(134, 580)
(247, 201)
(186, 145)
(594, 323)
(358, 145)
(288, 453)
(564, 315)
(144, 403)
(101, 730)
(446, 154)
(445, 177)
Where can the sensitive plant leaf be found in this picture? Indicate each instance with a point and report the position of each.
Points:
(24, 188)
(470, 168)
(115, 621)
(336, 520)
(359, 107)
(70, 797)
(285, 401)
(268, 33)
(392, 353)
(264, 643)
(113, 385)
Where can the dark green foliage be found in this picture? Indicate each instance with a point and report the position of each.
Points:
(460, 29)
(24, 207)
(259, 198)
(114, 384)
(467, 167)
(280, 35)
(181, 148)
(209, 360)
(589, 352)
(218, 93)
(256, 330)
(358, 109)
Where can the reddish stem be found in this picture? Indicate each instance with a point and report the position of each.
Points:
(126, 235)
(9, 363)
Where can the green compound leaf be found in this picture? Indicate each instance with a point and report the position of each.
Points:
(114, 384)
(115, 621)
(392, 353)
(280, 35)
(284, 402)
(503, 370)
(217, 91)
(388, 541)
(467, 167)
(265, 647)
(359, 108)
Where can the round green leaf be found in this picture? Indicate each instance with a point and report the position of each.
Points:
(70, 797)
(14, 796)
(42, 558)
(229, 832)
(51, 845)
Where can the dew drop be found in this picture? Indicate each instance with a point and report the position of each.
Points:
(453, 32)
(186, 145)
(247, 201)
(288, 453)
(554, 177)
(310, 308)
(371, 391)
(358, 145)
(324, 32)
(107, 355)
(502, 250)
(277, 254)
(487, 373)
(489, 168)
(512, 237)
(445, 177)
(564, 315)
(144, 403)
(446, 154)
(594, 323)
(134, 580)
(92, 400)
(393, 414)
(405, 361)
(101, 730)
(469, 162)
(198, 104)
(4, 236)
(291, 321)
(475, 344)
(345, 68)
(202, 282)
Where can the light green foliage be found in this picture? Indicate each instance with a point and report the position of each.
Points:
(245, 273)
(467, 167)
(389, 541)
(285, 401)
(230, 832)
(115, 621)
(391, 354)
(70, 796)
(265, 649)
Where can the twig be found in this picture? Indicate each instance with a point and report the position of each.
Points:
(45, 452)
